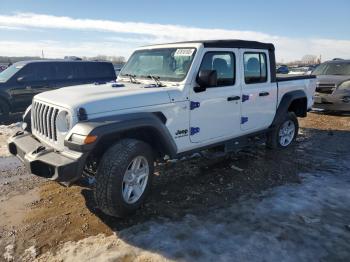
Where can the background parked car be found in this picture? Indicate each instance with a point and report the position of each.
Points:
(282, 69)
(2, 67)
(298, 70)
(333, 85)
(23, 80)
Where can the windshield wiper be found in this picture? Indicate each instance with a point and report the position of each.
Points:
(156, 79)
(132, 78)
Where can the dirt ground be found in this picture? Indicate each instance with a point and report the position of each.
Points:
(38, 217)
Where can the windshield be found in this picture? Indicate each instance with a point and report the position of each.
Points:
(9, 72)
(168, 64)
(332, 69)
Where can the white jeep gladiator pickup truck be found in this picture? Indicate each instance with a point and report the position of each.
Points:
(169, 100)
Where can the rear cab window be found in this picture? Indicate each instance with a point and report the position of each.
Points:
(255, 67)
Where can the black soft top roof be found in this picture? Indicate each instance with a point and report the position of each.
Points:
(232, 43)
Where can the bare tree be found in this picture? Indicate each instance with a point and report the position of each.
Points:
(309, 59)
(113, 59)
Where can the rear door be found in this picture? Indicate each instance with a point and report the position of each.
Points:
(215, 113)
(259, 95)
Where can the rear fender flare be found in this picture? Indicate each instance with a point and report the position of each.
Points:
(285, 103)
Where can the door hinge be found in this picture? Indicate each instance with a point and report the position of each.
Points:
(194, 105)
(244, 119)
(194, 130)
(245, 98)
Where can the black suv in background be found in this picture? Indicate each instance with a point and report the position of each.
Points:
(333, 85)
(23, 80)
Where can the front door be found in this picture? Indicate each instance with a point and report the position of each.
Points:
(32, 79)
(215, 112)
(259, 95)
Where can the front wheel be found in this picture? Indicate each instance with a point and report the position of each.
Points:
(285, 133)
(124, 177)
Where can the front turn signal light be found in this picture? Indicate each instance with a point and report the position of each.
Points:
(90, 139)
(82, 139)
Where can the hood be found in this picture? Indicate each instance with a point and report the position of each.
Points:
(331, 79)
(105, 97)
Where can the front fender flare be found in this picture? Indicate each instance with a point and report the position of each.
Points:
(114, 125)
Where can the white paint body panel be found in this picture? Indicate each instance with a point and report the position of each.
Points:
(259, 110)
(217, 118)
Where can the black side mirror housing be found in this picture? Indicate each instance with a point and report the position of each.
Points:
(206, 78)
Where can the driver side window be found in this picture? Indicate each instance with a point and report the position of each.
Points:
(223, 63)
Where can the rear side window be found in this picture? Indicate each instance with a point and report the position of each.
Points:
(255, 68)
(223, 63)
(64, 71)
(99, 70)
(83, 70)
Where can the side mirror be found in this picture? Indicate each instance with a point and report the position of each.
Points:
(206, 78)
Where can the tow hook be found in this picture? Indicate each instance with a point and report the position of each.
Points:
(38, 150)
(18, 133)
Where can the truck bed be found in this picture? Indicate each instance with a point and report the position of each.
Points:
(281, 78)
(306, 83)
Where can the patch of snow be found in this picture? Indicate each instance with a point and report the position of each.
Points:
(5, 132)
(9, 163)
(295, 222)
(29, 254)
(9, 251)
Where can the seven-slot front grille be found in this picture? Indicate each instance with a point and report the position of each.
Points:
(44, 120)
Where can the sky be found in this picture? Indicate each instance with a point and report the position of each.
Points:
(106, 27)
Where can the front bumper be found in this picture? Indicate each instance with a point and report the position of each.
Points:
(43, 161)
(331, 102)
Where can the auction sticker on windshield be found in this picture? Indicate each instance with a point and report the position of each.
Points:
(184, 52)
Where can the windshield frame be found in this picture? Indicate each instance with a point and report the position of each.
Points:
(162, 78)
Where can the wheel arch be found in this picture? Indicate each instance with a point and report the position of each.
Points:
(147, 127)
(294, 101)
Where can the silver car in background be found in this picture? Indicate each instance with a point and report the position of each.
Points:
(333, 86)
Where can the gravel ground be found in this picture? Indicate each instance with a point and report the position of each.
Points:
(256, 205)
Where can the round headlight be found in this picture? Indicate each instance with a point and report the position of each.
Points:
(345, 85)
(63, 122)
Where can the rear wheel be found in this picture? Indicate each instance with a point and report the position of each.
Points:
(124, 177)
(285, 133)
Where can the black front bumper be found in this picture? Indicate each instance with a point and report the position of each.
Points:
(43, 161)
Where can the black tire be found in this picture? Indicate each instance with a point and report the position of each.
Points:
(4, 111)
(273, 139)
(110, 173)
